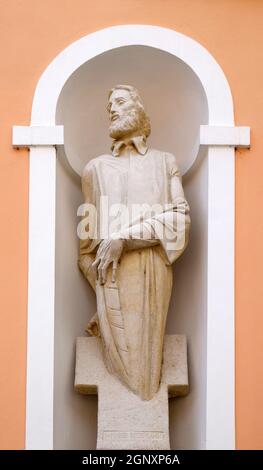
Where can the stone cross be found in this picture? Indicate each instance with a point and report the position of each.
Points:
(125, 421)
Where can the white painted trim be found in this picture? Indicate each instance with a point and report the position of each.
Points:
(41, 294)
(220, 430)
(220, 418)
(234, 136)
(26, 136)
(225, 135)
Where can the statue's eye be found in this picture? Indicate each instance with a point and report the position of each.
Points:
(120, 101)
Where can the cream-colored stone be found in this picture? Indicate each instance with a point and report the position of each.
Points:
(129, 267)
(125, 421)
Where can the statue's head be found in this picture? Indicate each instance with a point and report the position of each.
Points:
(127, 115)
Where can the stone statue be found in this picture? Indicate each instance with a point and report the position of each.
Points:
(136, 225)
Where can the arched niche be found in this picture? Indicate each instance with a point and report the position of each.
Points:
(176, 102)
(60, 301)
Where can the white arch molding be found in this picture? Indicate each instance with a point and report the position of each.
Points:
(220, 136)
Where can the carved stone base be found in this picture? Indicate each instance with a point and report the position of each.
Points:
(125, 421)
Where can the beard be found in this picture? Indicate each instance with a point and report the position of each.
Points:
(129, 123)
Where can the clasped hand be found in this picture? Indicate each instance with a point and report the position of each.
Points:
(109, 252)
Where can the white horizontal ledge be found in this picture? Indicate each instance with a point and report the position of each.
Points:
(27, 136)
(236, 136)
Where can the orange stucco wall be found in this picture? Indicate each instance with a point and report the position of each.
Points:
(32, 33)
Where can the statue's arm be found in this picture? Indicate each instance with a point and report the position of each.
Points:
(137, 244)
(88, 243)
(176, 220)
(170, 228)
(137, 237)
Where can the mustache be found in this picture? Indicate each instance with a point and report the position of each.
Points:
(131, 117)
(114, 116)
(129, 122)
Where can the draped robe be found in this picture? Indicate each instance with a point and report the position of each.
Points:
(131, 312)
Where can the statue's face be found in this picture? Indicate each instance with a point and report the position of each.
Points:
(124, 115)
(120, 103)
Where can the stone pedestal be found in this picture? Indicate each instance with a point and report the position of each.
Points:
(125, 421)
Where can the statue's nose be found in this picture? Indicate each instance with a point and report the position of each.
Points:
(114, 108)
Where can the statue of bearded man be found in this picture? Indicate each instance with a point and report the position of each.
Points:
(128, 250)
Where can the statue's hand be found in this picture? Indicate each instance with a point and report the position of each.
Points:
(109, 252)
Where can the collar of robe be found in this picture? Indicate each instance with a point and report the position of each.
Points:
(139, 142)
